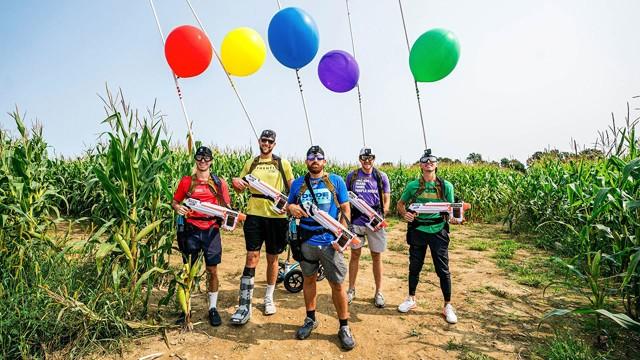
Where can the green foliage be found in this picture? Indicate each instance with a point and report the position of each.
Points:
(58, 294)
(564, 346)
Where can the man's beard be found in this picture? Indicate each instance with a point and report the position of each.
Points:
(264, 152)
(315, 172)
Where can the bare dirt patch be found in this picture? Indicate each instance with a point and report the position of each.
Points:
(498, 317)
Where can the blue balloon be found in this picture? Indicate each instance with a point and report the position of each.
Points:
(293, 37)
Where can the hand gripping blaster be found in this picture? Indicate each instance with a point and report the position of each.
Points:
(344, 237)
(229, 217)
(279, 199)
(452, 210)
(376, 222)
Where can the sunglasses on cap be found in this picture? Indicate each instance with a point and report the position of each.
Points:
(367, 157)
(268, 141)
(203, 158)
(428, 159)
(312, 157)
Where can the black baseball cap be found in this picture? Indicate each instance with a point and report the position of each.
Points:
(204, 151)
(268, 134)
(315, 149)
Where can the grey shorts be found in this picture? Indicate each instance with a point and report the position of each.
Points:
(377, 239)
(332, 261)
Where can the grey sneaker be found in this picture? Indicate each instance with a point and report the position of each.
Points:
(243, 312)
(351, 294)
(346, 339)
(305, 330)
(378, 300)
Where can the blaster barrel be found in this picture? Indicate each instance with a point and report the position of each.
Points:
(375, 220)
(344, 237)
(279, 199)
(453, 210)
(229, 217)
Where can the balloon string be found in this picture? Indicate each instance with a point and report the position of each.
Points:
(279, 5)
(304, 106)
(175, 80)
(406, 37)
(353, 48)
(233, 86)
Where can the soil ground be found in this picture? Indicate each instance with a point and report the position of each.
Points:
(498, 317)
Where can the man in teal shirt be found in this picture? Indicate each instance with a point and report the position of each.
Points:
(427, 230)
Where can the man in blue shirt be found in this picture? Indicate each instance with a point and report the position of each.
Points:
(329, 193)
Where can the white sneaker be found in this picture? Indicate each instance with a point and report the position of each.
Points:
(408, 304)
(269, 306)
(449, 314)
(378, 300)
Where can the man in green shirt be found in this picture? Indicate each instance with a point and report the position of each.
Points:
(427, 230)
(263, 224)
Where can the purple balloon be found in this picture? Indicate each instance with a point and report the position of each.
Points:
(338, 71)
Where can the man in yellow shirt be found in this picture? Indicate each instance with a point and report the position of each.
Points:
(263, 224)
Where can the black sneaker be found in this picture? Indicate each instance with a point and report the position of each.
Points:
(214, 317)
(305, 330)
(346, 339)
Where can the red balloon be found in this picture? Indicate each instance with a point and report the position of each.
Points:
(188, 51)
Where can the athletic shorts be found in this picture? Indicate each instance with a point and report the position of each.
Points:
(377, 239)
(271, 231)
(206, 240)
(332, 261)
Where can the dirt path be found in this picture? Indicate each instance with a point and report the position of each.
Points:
(497, 316)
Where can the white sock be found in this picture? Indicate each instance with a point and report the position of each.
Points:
(213, 299)
(269, 292)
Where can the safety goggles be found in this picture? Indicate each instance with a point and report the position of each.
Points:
(367, 157)
(428, 159)
(312, 157)
(267, 141)
(203, 158)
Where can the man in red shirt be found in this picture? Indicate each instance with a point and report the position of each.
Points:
(202, 232)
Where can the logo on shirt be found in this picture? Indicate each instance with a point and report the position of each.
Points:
(323, 196)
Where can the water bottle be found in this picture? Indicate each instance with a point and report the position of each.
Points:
(293, 228)
(180, 223)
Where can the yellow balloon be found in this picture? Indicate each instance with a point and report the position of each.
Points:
(243, 51)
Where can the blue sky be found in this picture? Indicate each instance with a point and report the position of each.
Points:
(532, 74)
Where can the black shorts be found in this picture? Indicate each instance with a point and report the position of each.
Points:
(206, 240)
(272, 231)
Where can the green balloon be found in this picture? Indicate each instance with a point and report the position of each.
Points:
(434, 55)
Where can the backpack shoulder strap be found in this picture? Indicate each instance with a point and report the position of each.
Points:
(215, 185)
(192, 185)
(329, 185)
(421, 187)
(378, 177)
(278, 164)
(307, 185)
(255, 162)
(440, 188)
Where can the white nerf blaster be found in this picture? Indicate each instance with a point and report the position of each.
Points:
(344, 237)
(453, 210)
(229, 217)
(279, 199)
(375, 220)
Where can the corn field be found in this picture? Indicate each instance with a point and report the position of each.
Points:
(62, 293)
